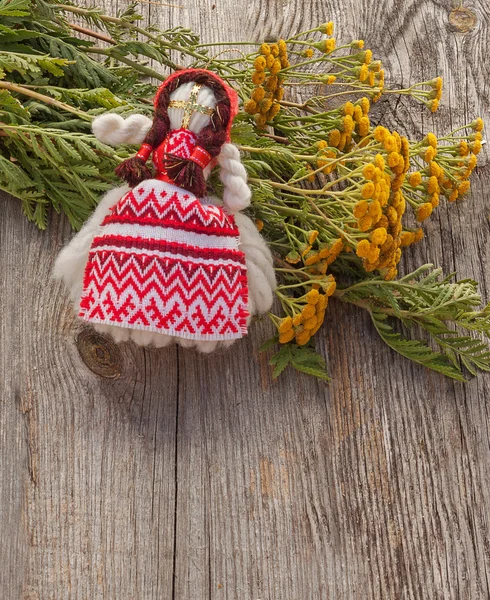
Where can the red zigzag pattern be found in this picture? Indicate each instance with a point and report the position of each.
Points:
(164, 262)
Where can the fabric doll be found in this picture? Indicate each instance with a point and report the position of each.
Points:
(160, 261)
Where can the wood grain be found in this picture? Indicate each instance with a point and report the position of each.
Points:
(140, 474)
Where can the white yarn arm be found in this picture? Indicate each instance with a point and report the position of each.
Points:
(236, 194)
(70, 263)
(112, 129)
(260, 271)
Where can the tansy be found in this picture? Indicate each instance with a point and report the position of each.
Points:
(424, 211)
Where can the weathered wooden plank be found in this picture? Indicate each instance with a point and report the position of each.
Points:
(143, 474)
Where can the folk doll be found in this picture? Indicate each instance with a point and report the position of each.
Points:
(160, 261)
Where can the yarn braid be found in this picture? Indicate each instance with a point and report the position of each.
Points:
(236, 193)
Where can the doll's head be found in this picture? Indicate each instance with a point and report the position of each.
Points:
(194, 110)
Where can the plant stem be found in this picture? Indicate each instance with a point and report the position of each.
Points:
(19, 89)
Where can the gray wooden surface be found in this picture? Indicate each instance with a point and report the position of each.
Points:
(136, 474)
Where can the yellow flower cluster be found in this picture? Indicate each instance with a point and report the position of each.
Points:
(328, 45)
(382, 205)
(269, 90)
(446, 173)
(354, 122)
(437, 93)
(308, 317)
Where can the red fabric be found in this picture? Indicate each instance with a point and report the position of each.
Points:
(200, 157)
(144, 152)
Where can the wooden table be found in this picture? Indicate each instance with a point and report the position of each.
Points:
(136, 474)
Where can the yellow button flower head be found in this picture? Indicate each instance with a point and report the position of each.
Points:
(258, 77)
(259, 224)
(430, 154)
(368, 57)
(308, 311)
(363, 73)
(334, 138)
(286, 337)
(250, 107)
(260, 63)
(358, 44)
(365, 105)
(369, 171)
(415, 179)
(424, 211)
(379, 161)
(431, 140)
(407, 238)
(365, 223)
(433, 186)
(327, 28)
(368, 190)
(274, 49)
(464, 188)
(360, 209)
(308, 53)
(378, 236)
(364, 126)
(265, 49)
(331, 79)
(303, 338)
(363, 248)
(285, 325)
(380, 133)
(282, 48)
(312, 235)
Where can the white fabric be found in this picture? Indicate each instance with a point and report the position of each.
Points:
(198, 120)
(113, 130)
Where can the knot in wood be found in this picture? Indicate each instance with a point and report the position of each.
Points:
(100, 353)
(462, 19)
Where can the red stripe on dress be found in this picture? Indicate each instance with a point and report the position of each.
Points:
(231, 231)
(129, 243)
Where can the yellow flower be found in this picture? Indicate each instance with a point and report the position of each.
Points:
(286, 337)
(311, 258)
(258, 77)
(365, 223)
(264, 106)
(260, 63)
(407, 238)
(303, 338)
(258, 94)
(378, 236)
(424, 211)
(434, 105)
(435, 170)
(368, 190)
(285, 325)
(363, 248)
(431, 140)
(331, 79)
(308, 53)
(433, 186)
(415, 179)
(464, 188)
(430, 154)
(271, 83)
(419, 234)
(364, 126)
(276, 67)
(265, 49)
(334, 138)
(327, 28)
(308, 311)
(282, 48)
(250, 107)
(330, 287)
(259, 224)
(454, 196)
(379, 161)
(368, 56)
(260, 121)
(380, 133)
(360, 209)
(363, 73)
(476, 147)
(365, 105)
(274, 50)
(298, 320)
(312, 235)
(312, 297)
(478, 124)
(390, 143)
(273, 111)
(348, 108)
(358, 44)
(369, 171)
(310, 323)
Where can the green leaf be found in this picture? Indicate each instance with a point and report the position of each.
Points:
(301, 358)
